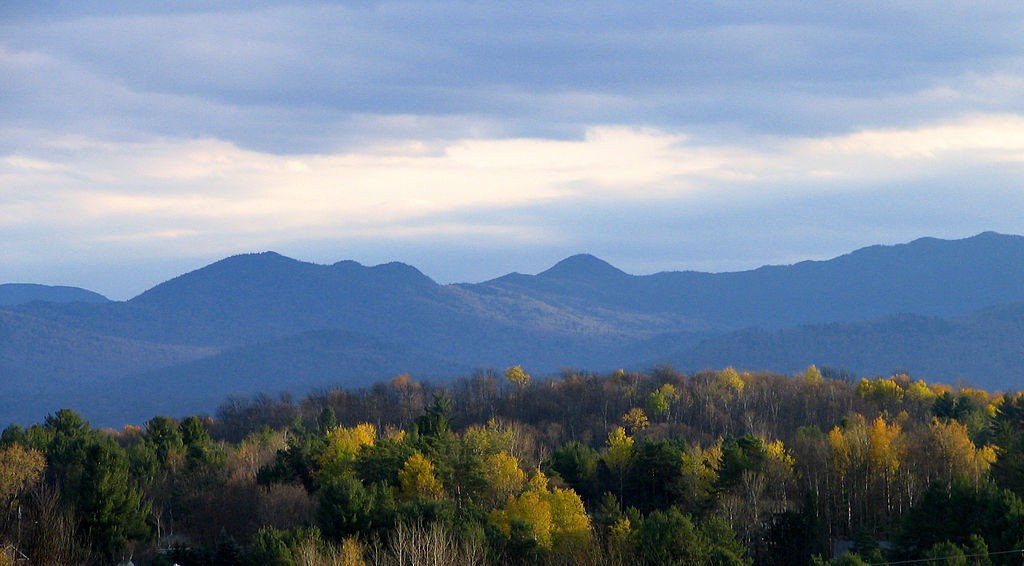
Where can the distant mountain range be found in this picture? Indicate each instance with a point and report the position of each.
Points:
(942, 309)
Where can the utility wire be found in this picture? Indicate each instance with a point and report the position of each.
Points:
(938, 558)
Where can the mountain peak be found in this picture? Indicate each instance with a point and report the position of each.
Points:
(583, 266)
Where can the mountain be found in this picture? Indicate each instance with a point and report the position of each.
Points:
(299, 364)
(265, 322)
(927, 276)
(20, 293)
(984, 348)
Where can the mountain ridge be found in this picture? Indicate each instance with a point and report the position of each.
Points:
(342, 322)
(21, 293)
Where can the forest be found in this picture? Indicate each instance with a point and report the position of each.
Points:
(719, 467)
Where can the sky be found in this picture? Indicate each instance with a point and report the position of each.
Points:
(142, 140)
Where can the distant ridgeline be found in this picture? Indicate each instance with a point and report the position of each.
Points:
(944, 310)
(717, 467)
(20, 293)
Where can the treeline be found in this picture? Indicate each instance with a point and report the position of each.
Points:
(718, 467)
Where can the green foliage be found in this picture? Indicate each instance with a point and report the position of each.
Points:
(166, 438)
(347, 507)
(269, 548)
(111, 511)
(576, 465)
(669, 537)
(381, 462)
(742, 454)
(960, 512)
(655, 476)
(434, 426)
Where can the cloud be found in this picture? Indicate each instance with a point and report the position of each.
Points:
(296, 77)
(168, 189)
(652, 133)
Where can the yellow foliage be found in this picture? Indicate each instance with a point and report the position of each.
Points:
(620, 448)
(635, 419)
(729, 380)
(503, 474)
(394, 434)
(885, 446)
(812, 375)
(492, 438)
(20, 469)
(880, 390)
(343, 444)
(620, 536)
(849, 446)
(953, 449)
(569, 520)
(776, 451)
(920, 392)
(980, 397)
(516, 376)
(350, 440)
(417, 480)
(530, 508)
(554, 515)
(351, 553)
(538, 482)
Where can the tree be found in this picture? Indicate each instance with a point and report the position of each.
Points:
(554, 517)
(163, 434)
(109, 507)
(617, 457)
(655, 477)
(957, 512)
(635, 420)
(659, 402)
(670, 538)
(502, 475)
(812, 376)
(576, 464)
(20, 469)
(516, 376)
(343, 445)
(416, 479)
(347, 507)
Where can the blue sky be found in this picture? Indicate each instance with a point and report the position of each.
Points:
(139, 140)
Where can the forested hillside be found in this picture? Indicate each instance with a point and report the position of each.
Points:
(716, 467)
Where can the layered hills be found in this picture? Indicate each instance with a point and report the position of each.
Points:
(941, 309)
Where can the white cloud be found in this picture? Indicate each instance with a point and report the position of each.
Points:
(211, 187)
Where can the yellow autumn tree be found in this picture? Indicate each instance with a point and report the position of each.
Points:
(20, 469)
(886, 448)
(416, 479)
(728, 381)
(556, 517)
(848, 454)
(953, 453)
(494, 437)
(343, 444)
(503, 476)
(635, 420)
(618, 455)
(516, 376)
(813, 375)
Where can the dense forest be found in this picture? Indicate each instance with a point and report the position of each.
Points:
(718, 467)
